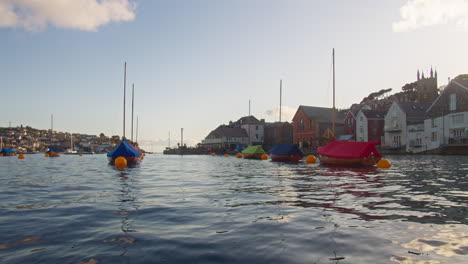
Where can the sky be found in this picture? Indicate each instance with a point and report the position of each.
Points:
(196, 64)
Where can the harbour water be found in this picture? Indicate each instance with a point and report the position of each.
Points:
(204, 209)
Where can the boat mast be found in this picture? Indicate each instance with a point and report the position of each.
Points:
(136, 132)
(281, 83)
(125, 83)
(133, 99)
(250, 141)
(334, 109)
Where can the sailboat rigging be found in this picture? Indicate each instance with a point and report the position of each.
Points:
(347, 153)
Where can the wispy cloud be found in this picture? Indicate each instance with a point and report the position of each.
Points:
(88, 15)
(287, 113)
(417, 14)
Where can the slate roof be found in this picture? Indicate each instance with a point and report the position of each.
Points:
(415, 112)
(323, 114)
(373, 114)
(227, 131)
(248, 119)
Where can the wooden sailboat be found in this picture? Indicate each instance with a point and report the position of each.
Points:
(347, 153)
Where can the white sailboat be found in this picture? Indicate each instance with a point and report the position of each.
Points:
(71, 150)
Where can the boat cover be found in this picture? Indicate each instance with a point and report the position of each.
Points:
(286, 150)
(7, 151)
(349, 150)
(251, 150)
(124, 149)
(52, 150)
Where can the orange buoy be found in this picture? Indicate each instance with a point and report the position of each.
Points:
(384, 164)
(239, 155)
(264, 156)
(21, 156)
(120, 163)
(311, 159)
(81, 154)
(213, 154)
(46, 155)
(226, 155)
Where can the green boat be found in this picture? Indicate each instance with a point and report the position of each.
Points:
(253, 152)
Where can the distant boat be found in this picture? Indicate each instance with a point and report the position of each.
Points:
(126, 150)
(71, 150)
(347, 153)
(253, 152)
(52, 152)
(7, 152)
(286, 153)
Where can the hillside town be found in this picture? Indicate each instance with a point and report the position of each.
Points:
(422, 118)
(30, 140)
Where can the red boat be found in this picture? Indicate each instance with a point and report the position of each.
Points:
(352, 154)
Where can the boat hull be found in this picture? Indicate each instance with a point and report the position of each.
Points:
(285, 158)
(253, 156)
(53, 154)
(356, 162)
(130, 160)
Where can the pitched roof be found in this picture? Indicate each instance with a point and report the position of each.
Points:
(227, 131)
(322, 114)
(373, 114)
(248, 120)
(415, 112)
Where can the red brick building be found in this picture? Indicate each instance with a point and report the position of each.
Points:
(310, 124)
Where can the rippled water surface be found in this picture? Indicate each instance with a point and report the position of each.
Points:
(204, 209)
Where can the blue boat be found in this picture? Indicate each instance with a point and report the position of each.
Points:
(286, 153)
(7, 152)
(52, 153)
(126, 150)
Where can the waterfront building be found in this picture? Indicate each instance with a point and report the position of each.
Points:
(313, 125)
(401, 120)
(447, 118)
(226, 138)
(370, 125)
(255, 129)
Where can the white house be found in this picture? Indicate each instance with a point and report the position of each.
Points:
(447, 122)
(403, 125)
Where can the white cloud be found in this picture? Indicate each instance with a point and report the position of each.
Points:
(287, 113)
(88, 15)
(416, 14)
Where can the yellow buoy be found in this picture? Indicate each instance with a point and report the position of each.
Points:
(213, 154)
(21, 156)
(239, 155)
(311, 159)
(81, 154)
(264, 156)
(384, 164)
(226, 155)
(46, 155)
(120, 163)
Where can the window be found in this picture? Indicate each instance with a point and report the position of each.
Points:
(396, 140)
(457, 133)
(457, 119)
(419, 139)
(256, 127)
(434, 136)
(301, 125)
(453, 102)
(433, 122)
